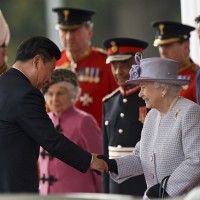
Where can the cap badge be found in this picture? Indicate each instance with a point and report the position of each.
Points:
(114, 47)
(66, 14)
(161, 28)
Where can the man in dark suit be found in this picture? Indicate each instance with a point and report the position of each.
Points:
(24, 123)
(123, 113)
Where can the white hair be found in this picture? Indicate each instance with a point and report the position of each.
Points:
(171, 88)
(74, 91)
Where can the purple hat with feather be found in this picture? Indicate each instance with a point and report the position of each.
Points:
(155, 69)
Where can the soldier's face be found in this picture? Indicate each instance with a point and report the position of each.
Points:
(77, 40)
(198, 30)
(175, 51)
(120, 70)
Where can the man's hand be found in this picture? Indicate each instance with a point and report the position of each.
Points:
(112, 164)
(98, 165)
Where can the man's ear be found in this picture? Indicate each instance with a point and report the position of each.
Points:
(36, 61)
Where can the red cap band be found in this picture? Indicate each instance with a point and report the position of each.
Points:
(121, 50)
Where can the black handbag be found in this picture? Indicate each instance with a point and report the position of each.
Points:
(162, 188)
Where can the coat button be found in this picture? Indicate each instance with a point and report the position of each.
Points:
(120, 131)
(121, 115)
(106, 123)
(125, 100)
(152, 176)
(151, 158)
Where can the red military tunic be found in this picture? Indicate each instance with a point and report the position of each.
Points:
(188, 70)
(95, 79)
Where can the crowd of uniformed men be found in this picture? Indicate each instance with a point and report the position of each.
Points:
(102, 75)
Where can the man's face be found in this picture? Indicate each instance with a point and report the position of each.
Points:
(198, 29)
(77, 40)
(42, 71)
(120, 70)
(175, 51)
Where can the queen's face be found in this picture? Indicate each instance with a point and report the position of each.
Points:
(151, 95)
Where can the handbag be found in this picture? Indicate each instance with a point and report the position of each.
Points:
(163, 186)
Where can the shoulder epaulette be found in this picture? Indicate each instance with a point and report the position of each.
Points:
(110, 95)
(102, 51)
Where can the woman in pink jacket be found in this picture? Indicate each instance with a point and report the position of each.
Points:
(79, 126)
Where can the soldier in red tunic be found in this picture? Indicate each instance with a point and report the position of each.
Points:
(94, 75)
(172, 40)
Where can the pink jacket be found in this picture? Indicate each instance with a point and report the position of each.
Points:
(83, 130)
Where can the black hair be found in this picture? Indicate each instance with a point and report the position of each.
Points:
(34, 45)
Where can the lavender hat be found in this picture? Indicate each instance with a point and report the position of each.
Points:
(155, 69)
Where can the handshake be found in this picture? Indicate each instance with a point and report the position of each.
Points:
(101, 164)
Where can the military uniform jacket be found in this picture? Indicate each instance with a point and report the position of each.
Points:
(24, 126)
(169, 146)
(123, 115)
(55, 176)
(189, 71)
(95, 79)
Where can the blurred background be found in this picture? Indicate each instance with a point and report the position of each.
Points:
(114, 18)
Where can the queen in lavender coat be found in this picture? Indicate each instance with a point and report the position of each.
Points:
(80, 127)
(168, 153)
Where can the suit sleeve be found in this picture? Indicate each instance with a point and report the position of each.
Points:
(34, 121)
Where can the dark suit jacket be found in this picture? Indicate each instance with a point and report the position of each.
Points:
(114, 105)
(24, 126)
